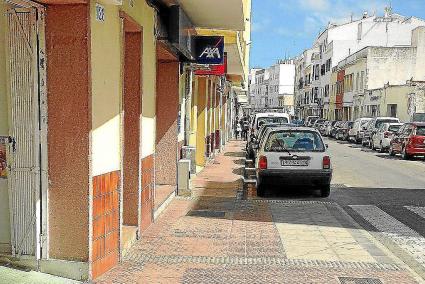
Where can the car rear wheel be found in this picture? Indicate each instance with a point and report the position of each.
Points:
(260, 190)
(325, 191)
(391, 151)
(404, 154)
(381, 148)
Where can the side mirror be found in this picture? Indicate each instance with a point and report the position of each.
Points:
(327, 146)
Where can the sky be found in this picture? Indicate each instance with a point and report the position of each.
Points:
(284, 28)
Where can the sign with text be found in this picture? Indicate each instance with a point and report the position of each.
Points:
(209, 50)
(217, 70)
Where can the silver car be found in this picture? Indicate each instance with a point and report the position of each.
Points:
(382, 139)
(293, 156)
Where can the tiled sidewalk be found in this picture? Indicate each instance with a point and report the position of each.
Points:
(217, 237)
(14, 276)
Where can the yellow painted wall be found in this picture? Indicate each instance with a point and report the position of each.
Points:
(396, 95)
(4, 130)
(202, 113)
(106, 65)
(106, 89)
(194, 114)
(144, 15)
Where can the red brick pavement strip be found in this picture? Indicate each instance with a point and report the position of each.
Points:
(240, 246)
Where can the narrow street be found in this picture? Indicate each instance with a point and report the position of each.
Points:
(364, 233)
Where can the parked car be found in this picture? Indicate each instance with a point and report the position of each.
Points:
(382, 139)
(295, 156)
(298, 122)
(329, 127)
(322, 128)
(310, 120)
(263, 118)
(262, 131)
(318, 123)
(342, 132)
(372, 127)
(335, 128)
(409, 141)
(356, 132)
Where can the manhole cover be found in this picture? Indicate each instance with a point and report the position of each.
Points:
(352, 280)
(206, 213)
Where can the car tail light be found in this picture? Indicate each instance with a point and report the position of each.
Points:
(326, 162)
(262, 163)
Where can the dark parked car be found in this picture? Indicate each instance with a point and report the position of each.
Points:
(409, 141)
(343, 131)
(335, 128)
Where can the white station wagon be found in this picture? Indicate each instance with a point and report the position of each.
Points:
(293, 156)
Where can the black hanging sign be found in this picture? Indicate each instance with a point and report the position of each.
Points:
(209, 50)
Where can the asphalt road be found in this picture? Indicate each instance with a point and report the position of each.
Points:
(384, 195)
(368, 178)
(356, 166)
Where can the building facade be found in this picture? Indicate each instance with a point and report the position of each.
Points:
(273, 87)
(337, 42)
(373, 80)
(98, 99)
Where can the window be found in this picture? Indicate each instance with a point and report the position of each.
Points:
(322, 69)
(392, 110)
(328, 65)
(420, 130)
(316, 71)
(359, 31)
(362, 81)
(297, 141)
(357, 82)
(326, 93)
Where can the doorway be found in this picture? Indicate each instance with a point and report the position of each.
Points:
(131, 106)
(27, 154)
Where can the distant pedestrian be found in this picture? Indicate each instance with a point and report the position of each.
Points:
(238, 130)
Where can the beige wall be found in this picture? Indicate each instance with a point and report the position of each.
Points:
(106, 82)
(396, 95)
(145, 15)
(4, 130)
(106, 89)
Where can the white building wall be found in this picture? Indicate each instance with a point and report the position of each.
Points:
(338, 42)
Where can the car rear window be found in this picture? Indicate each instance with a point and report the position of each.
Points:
(275, 119)
(420, 130)
(294, 140)
(380, 122)
(394, 128)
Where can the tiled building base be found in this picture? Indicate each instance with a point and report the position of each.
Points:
(105, 246)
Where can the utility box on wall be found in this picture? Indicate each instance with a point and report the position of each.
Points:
(183, 178)
(189, 153)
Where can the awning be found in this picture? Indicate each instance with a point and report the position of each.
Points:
(217, 14)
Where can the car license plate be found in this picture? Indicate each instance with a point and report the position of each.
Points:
(297, 163)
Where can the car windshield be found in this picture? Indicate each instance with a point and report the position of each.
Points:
(294, 141)
(272, 119)
(364, 122)
(394, 128)
(420, 130)
(380, 122)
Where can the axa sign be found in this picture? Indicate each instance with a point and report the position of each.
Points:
(209, 49)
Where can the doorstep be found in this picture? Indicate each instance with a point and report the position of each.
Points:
(164, 194)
